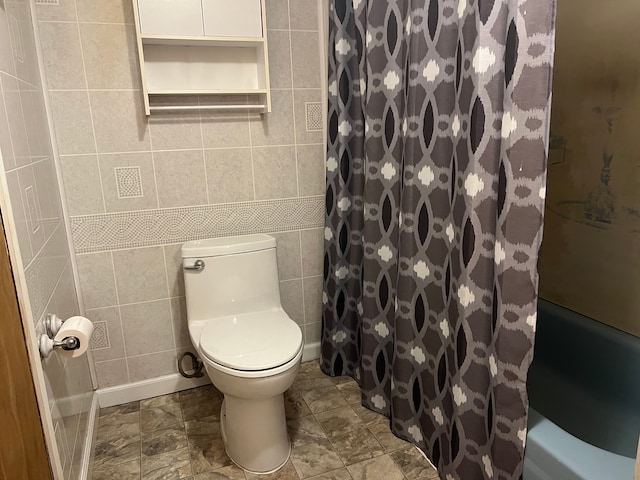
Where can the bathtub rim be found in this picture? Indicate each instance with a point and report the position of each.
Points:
(552, 453)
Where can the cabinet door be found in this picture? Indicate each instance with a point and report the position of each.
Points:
(237, 18)
(171, 17)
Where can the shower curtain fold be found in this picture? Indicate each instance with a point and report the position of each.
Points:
(436, 168)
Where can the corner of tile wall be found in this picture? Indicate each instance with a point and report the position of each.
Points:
(190, 176)
(37, 219)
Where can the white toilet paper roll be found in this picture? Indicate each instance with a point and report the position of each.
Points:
(79, 327)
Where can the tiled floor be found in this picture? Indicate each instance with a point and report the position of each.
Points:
(177, 436)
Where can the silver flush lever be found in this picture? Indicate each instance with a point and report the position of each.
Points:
(198, 265)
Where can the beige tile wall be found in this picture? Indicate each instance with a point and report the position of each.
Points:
(136, 295)
(27, 163)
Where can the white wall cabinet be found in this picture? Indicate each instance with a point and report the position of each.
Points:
(206, 48)
(236, 18)
(171, 17)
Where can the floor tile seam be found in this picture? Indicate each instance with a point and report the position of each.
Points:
(307, 404)
(146, 405)
(305, 390)
(140, 435)
(326, 387)
(347, 429)
(115, 415)
(343, 395)
(244, 473)
(168, 451)
(374, 422)
(331, 471)
(314, 415)
(399, 467)
(428, 465)
(108, 461)
(151, 432)
(369, 427)
(344, 462)
(348, 405)
(333, 446)
(100, 442)
(115, 408)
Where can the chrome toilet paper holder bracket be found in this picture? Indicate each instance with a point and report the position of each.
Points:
(52, 324)
(47, 342)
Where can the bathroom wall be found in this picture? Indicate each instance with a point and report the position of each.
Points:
(138, 187)
(33, 217)
(590, 257)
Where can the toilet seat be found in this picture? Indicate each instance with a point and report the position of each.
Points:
(254, 343)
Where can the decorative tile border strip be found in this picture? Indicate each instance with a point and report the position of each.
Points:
(114, 231)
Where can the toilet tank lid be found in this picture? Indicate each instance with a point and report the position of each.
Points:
(215, 247)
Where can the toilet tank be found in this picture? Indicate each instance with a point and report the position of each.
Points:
(240, 275)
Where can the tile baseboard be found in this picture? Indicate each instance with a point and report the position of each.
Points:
(153, 387)
(311, 351)
(166, 384)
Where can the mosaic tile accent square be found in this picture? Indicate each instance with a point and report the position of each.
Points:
(100, 336)
(128, 182)
(313, 115)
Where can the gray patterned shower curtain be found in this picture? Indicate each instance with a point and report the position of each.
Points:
(436, 169)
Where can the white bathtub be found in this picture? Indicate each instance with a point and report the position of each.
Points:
(553, 454)
(584, 393)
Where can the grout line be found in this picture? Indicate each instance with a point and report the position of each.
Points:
(253, 168)
(242, 147)
(169, 350)
(35, 88)
(47, 304)
(24, 121)
(153, 164)
(304, 310)
(190, 149)
(48, 241)
(124, 343)
(134, 303)
(292, 29)
(155, 179)
(166, 279)
(104, 200)
(293, 102)
(86, 82)
(127, 357)
(11, 45)
(397, 465)
(6, 115)
(84, 23)
(58, 90)
(139, 303)
(204, 154)
(19, 80)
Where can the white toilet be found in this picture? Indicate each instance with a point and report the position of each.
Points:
(250, 347)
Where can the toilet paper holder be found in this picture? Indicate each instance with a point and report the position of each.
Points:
(52, 324)
(46, 342)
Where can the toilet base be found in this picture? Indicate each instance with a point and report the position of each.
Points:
(253, 421)
(258, 442)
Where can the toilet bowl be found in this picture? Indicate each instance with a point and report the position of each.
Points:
(250, 347)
